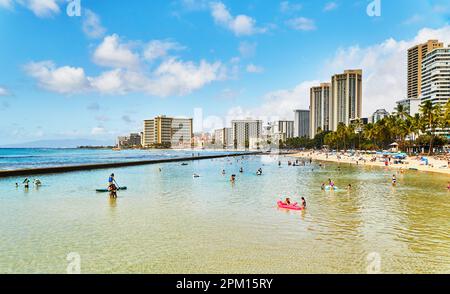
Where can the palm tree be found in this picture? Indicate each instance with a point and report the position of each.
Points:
(446, 117)
(369, 132)
(432, 116)
(341, 133)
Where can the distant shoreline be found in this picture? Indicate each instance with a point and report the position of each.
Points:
(95, 166)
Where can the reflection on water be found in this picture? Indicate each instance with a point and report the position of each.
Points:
(168, 222)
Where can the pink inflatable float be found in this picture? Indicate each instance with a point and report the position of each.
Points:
(292, 206)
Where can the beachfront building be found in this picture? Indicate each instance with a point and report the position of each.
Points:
(410, 105)
(131, 141)
(320, 111)
(436, 79)
(163, 131)
(223, 137)
(280, 130)
(246, 133)
(378, 115)
(301, 123)
(346, 97)
(416, 55)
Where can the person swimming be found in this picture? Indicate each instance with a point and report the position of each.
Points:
(223, 172)
(232, 178)
(37, 182)
(241, 170)
(259, 172)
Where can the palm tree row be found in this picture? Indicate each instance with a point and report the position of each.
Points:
(408, 131)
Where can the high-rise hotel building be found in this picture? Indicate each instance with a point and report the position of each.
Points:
(416, 55)
(168, 131)
(320, 111)
(301, 123)
(337, 102)
(246, 133)
(436, 79)
(346, 98)
(436, 76)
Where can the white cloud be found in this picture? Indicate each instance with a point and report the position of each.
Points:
(8, 4)
(92, 26)
(301, 24)
(384, 77)
(178, 77)
(251, 68)
(288, 7)
(41, 8)
(4, 92)
(330, 6)
(171, 77)
(64, 80)
(109, 82)
(384, 67)
(157, 49)
(279, 104)
(241, 25)
(112, 53)
(98, 131)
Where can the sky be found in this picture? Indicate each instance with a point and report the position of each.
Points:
(96, 69)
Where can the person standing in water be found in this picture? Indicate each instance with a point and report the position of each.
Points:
(303, 202)
(112, 186)
(394, 180)
(26, 183)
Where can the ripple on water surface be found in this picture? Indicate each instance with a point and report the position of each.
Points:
(169, 222)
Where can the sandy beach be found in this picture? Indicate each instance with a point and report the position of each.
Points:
(410, 163)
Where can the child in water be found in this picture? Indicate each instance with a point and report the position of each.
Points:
(394, 180)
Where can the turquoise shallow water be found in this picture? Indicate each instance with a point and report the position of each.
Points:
(19, 158)
(169, 222)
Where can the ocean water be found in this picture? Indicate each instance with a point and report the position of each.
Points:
(19, 158)
(169, 222)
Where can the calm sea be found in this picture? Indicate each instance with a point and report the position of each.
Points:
(19, 158)
(169, 222)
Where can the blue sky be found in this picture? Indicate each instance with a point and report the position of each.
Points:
(100, 74)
